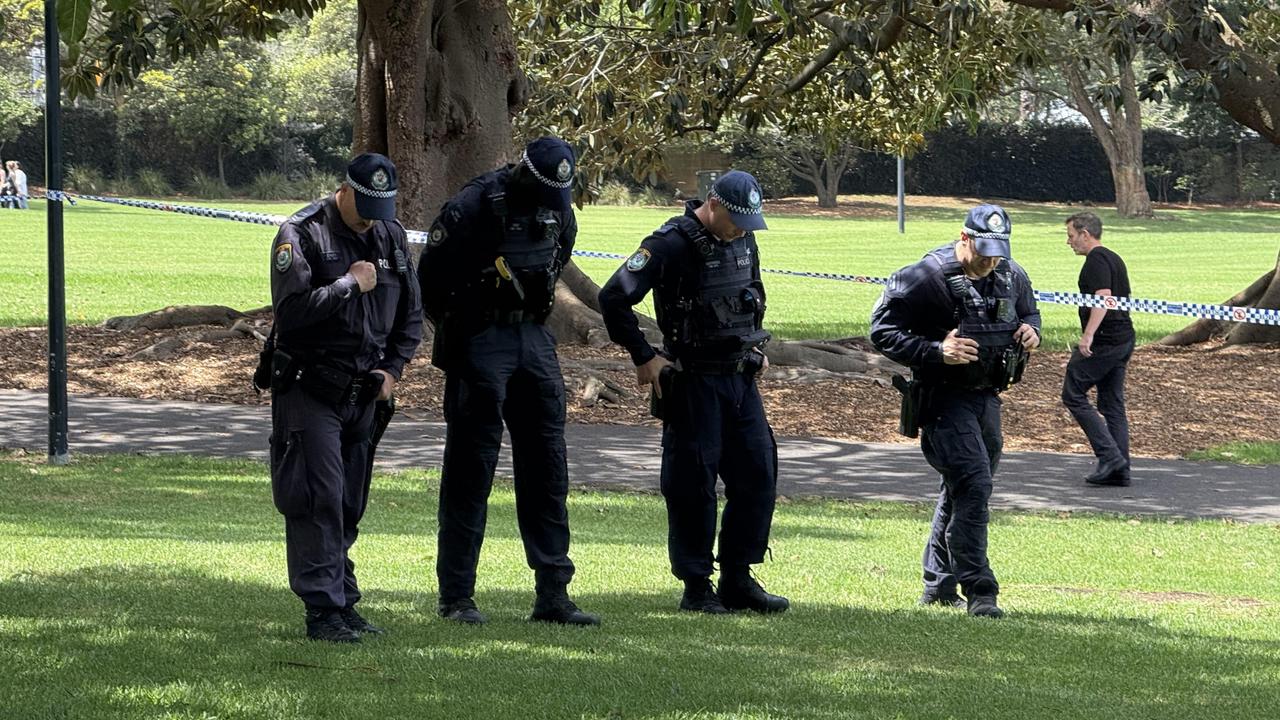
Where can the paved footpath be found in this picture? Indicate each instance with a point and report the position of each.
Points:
(628, 457)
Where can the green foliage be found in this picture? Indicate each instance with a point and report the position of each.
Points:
(17, 96)
(1245, 453)
(615, 193)
(111, 44)
(155, 587)
(315, 185)
(152, 183)
(271, 186)
(653, 197)
(225, 101)
(620, 82)
(207, 187)
(87, 180)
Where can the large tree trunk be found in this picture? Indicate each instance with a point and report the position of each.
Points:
(1119, 132)
(1262, 293)
(437, 85)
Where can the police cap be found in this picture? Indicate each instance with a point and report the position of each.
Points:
(989, 226)
(551, 161)
(740, 194)
(373, 178)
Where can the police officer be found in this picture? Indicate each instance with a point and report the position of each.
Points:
(348, 316)
(489, 272)
(704, 270)
(963, 318)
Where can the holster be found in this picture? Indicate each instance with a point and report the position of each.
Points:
(284, 371)
(382, 413)
(440, 343)
(909, 413)
(657, 405)
(262, 373)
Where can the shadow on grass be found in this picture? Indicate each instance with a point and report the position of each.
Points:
(140, 641)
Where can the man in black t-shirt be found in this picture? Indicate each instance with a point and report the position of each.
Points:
(1101, 356)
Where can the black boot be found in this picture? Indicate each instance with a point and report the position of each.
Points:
(951, 599)
(359, 624)
(700, 596)
(326, 624)
(463, 611)
(554, 606)
(740, 591)
(1112, 472)
(984, 606)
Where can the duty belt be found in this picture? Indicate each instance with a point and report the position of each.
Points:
(744, 364)
(511, 317)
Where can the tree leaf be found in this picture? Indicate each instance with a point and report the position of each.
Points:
(73, 20)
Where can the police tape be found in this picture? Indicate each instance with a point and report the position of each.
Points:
(1226, 313)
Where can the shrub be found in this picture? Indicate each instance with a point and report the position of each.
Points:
(207, 187)
(315, 185)
(615, 193)
(86, 179)
(652, 196)
(272, 186)
(152, 183)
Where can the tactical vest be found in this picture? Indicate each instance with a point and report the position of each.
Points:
(992, 321)
(717, 312)
(530, 247)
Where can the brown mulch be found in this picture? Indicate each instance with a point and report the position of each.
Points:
(1180, 399)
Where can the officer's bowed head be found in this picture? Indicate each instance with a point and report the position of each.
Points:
(740, 194)
(372, 177)
(550, 161)
(989, 226)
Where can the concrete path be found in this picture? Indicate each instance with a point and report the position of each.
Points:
(619, 456)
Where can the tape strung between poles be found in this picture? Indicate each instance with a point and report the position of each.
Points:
(1226, 313)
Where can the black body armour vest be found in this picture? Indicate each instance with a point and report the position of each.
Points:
(530, 245)
(717, 312)
(991, 321)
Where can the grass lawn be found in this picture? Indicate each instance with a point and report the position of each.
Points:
(155, 588)
(124, 260)
(1245, 453)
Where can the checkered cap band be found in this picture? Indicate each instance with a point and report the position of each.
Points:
(524, 159)
(985, 235)
(369, 191)
(736, 209)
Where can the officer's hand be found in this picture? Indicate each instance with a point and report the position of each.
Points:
(388, 385)
(1086, 345)
(365, 273)
(959, 350)
(1028, 336)
(648, 373)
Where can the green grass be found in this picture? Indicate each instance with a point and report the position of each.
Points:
(1245, 453)
(155, 588)
(124, 260)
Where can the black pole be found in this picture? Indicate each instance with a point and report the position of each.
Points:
(902, 192)
(58, 453)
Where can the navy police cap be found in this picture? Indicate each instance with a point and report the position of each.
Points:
(373, 177)
(551, 161)
(740, 194)
(989, 226)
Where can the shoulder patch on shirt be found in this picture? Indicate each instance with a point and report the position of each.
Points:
(284, 257)
(638, 260)
(437, 235)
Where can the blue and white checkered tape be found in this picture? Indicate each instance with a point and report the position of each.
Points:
(1227, 313)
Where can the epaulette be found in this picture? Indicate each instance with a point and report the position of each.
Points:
(307, 212)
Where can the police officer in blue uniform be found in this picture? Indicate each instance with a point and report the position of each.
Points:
(348, 317)
(963, 318)
(489, 272)
(704, 270)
